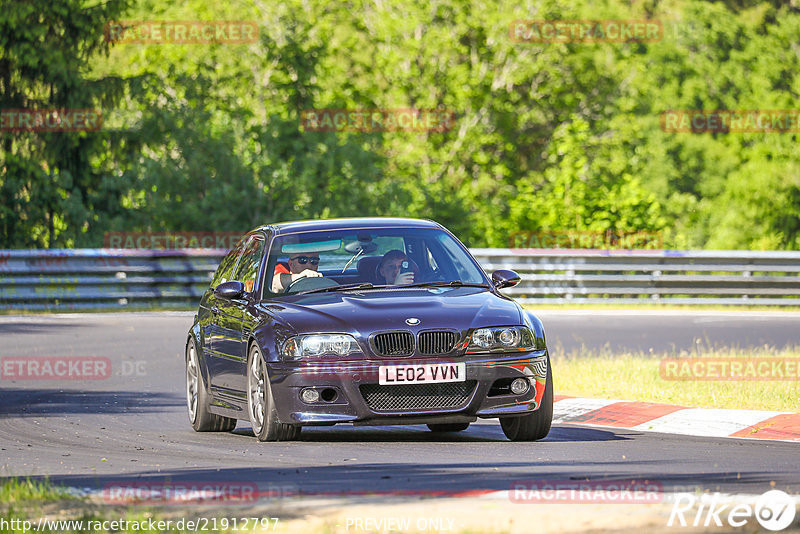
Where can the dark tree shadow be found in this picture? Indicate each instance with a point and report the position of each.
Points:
(54, 402)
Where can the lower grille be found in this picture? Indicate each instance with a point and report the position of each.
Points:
(417, 396)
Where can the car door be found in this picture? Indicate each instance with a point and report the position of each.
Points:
(208, 316)
(234, 330)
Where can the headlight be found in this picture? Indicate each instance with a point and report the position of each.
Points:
(501, 339)
(319, 345)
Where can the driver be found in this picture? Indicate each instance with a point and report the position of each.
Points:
(300, 266)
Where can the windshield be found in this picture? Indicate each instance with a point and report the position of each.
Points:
(375, 257)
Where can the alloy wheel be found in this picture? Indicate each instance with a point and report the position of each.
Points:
(256, 392)
(192, 383)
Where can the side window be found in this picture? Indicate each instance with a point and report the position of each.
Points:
(250, 262)
(224, 272)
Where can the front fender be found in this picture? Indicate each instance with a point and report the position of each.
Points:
(536, 326)
(196, 335)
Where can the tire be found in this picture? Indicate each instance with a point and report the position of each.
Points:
(197, 398)
(448, 427)
(261, 405)
(536, 425)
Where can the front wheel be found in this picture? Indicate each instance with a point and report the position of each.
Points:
(536, 425)
(261, 405)
(197, 398)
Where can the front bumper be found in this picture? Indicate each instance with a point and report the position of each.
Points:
(480, 395)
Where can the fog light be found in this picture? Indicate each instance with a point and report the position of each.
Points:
(520, 386)
(309, 395)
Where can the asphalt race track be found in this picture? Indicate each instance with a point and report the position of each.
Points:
(133, 425)
(667, 331)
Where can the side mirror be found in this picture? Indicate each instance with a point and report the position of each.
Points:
(505, 278)
(230, 290)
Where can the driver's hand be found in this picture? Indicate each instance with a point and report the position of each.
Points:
(308, 273)
(404, 278)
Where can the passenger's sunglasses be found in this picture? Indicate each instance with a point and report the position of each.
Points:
(302, 260)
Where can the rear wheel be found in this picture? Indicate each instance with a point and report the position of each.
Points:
(448, 427)
(197, 398)
(260, 404)
(536, 425)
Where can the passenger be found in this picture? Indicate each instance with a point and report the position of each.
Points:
(300, 265)
(389, 269)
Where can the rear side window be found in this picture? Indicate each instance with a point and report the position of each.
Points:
(224, 272)
(250, 262)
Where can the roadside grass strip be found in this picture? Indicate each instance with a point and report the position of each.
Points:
(37, 506)
(734, 400)
(640, 377)
(14, 490)
(595, 506)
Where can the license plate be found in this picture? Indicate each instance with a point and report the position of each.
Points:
(424, 373)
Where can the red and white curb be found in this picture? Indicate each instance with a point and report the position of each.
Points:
(666, 418)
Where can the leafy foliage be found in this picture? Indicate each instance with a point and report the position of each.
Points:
(549, 136)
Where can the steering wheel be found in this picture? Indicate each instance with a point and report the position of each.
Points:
(304, 283)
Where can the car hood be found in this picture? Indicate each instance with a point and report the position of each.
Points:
(363, 312)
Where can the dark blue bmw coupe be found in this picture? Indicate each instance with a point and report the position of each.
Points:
(364, 321)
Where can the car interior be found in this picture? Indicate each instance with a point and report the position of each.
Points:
(366, 270)
(354, 259)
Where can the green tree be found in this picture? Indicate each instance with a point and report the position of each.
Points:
(52, 184)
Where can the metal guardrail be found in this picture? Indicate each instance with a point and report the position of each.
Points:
(109, 278)
(65, 279)
(637, 276)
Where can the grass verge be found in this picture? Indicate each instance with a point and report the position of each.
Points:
(29, 505)
(15, 490)
(639, 377)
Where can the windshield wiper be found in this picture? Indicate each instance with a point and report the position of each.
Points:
(346, 287)
(451, 283)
